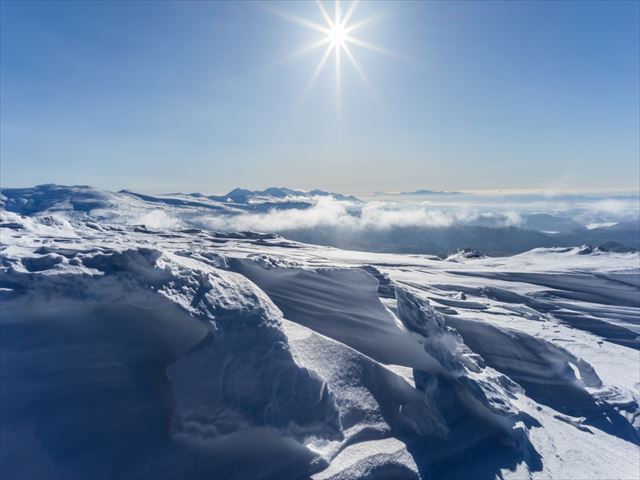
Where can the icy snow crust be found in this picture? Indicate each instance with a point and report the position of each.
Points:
(140, 353)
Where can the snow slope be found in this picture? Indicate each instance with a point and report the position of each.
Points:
(440, 224)
(178, 352)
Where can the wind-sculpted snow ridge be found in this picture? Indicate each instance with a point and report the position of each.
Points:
(140, 352)
(450, 387)
(234, 371)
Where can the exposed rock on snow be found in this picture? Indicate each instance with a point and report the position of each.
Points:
(465, 253)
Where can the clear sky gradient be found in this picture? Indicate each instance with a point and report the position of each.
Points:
(204, 96)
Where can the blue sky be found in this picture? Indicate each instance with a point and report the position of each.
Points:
(204, 96)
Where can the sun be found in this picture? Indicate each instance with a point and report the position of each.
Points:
(338, 36)
(337, 39)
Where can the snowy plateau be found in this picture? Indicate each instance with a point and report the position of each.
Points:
(161, 336)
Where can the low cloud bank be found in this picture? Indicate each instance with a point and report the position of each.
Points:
(327, 212)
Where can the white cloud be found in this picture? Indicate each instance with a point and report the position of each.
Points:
(329, 212)
(158, 219)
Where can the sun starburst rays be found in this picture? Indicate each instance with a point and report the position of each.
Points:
(338, 38)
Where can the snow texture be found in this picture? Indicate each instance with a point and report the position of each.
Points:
(167, 350)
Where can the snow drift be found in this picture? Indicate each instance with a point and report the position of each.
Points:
(138, 352)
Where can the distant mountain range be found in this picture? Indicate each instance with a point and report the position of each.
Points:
(422, 191)
(84, 199)
(242, 195)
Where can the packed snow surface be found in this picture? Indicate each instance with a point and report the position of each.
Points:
(167, 351)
